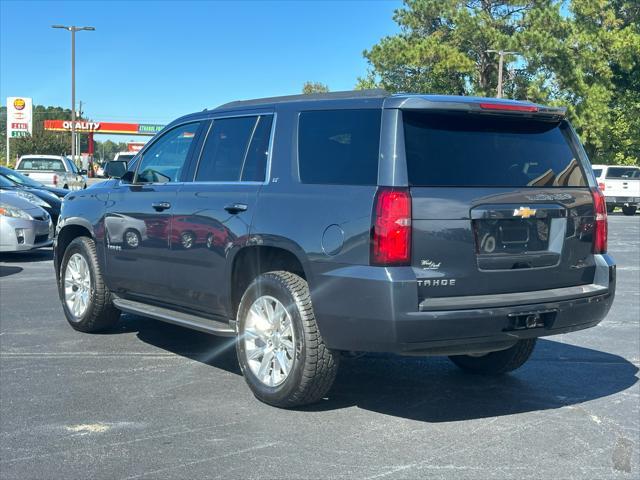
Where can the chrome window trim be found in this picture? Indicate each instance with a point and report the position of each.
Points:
(267, 173)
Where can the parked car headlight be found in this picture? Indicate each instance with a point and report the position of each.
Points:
(9, 211)
(32, 198)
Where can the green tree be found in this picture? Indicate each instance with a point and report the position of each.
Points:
(586, 58)
(107, 150)
(314, 87)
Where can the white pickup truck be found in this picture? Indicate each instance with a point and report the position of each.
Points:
(52, 170)
(620, 185)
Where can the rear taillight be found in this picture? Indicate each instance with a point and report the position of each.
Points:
(600, 227)
(391, 227)
(601, 186)
(55, 179)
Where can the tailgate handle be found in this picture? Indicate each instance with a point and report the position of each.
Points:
(234, 208)
(160, 206)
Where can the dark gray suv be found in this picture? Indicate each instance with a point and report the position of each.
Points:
(313, 225)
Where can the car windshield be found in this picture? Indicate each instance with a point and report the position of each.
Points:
(125, 157)
(19, 178)
(6, 183)
(44, 164)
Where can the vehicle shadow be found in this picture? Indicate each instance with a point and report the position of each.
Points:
(40, 255)
(5, 271)
(429, 389)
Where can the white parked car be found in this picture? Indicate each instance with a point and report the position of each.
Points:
(620, 185)
(52, 170)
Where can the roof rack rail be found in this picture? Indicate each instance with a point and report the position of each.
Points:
(374, 93)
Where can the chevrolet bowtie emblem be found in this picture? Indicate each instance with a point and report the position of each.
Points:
(524, 212)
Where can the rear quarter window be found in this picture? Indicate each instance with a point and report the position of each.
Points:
(339, 146)
(474, 150)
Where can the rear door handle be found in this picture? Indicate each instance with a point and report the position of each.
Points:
(160, 206)
(236, 207)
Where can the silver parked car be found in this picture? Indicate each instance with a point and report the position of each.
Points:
(23, 225)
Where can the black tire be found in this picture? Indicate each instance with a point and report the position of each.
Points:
(314, 366)
(497, 363)
(629, 210)
(100, 313)
(610, 208)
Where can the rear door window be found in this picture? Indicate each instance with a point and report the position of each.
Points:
(339, 146)
(225, 149)
(255, 163)
(473, 150)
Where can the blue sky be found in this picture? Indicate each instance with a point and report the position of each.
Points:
(152, 61)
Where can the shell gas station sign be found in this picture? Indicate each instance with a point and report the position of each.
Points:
(117, 128)
(19, 117)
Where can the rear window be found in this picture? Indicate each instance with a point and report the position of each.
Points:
(597, 172)
(42, 164)
(126, 157)
(339, 146)
(623, 172)
(466, 150)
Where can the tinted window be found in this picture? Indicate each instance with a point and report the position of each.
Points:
(255, 163)
(41, 164)
(339, 146)
(466, 150)
(125, 157)
(163, 160)
(225, 149)
(597, 172)
(623, 172)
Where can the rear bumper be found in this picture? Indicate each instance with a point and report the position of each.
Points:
(380, 312)
(622, 200)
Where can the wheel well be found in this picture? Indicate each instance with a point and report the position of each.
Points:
(253, 261)
(66, 236)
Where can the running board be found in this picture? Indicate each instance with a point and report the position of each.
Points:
(177, 318)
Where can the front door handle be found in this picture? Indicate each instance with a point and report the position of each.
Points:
(160, 206)
(236, 207)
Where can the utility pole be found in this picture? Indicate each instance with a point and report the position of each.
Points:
(73, 29)
(501, 54)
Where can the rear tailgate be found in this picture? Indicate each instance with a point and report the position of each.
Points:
(48, 171)
(622, 184)
(499, 205)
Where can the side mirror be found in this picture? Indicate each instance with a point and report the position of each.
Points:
(83, 172)
(115, 169)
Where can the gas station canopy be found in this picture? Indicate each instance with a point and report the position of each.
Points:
(111, 128)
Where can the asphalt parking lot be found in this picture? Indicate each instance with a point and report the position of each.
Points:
(150, 400)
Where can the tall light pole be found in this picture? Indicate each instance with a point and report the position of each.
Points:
(73, 29)
(501, 54)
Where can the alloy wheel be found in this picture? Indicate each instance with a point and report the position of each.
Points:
(269, 341)
(77, 285)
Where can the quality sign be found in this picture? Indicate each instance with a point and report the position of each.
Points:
(19, 117)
